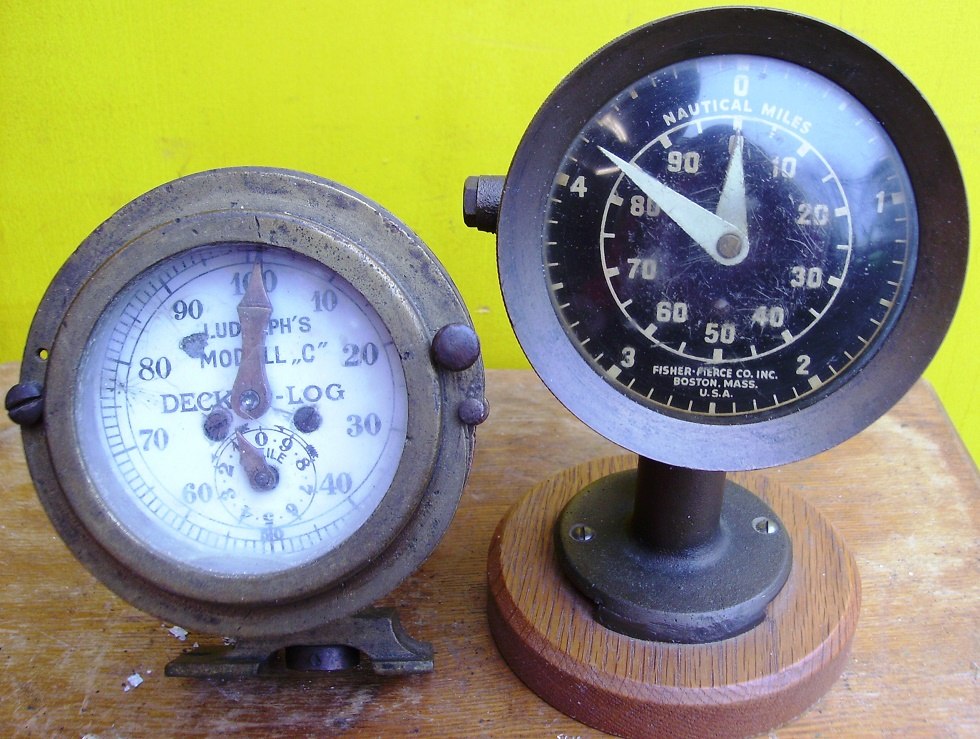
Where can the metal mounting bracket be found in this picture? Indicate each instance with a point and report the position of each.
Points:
(375, 636)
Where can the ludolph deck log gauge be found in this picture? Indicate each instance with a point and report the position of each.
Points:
(248, 404)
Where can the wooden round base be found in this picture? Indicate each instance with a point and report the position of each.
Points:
(737, 687)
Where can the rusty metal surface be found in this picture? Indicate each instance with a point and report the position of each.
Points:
(388, 265)
(373, 638)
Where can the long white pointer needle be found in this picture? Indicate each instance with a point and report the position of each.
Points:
(707, 230)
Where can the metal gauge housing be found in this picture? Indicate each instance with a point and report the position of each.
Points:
(259, 395)
(732, 238)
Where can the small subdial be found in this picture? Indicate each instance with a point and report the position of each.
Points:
(265, 476)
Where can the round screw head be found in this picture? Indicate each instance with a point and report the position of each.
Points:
(455, 347)
(248, 400)
(581, 532)
(729, 246)
(266, 479)
(217, 424)
(25, 403)
(473, 412)
(307, 419)
(764, 525)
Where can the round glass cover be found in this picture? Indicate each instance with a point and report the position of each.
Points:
(728, 236)
(235, 427)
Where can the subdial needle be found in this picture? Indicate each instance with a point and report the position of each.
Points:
(250, 395)
(262, 476)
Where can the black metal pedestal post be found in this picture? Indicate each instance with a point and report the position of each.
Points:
(676, 508)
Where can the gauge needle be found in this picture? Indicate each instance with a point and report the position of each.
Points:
(250, 395)
(261, 475)
(723, 241)
(731, 204)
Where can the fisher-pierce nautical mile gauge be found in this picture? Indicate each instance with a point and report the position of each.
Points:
(729, 240)
(718, 163)
(257, 378)
(741, 220)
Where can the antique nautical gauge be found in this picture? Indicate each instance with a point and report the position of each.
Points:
(728, 240)
(248, 402)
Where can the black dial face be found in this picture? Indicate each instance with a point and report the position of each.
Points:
(729, 236)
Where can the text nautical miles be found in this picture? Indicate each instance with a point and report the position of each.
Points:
(707, 107)
(735, 105)
(790, 120)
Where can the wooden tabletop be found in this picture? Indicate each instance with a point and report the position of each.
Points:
(904, 494)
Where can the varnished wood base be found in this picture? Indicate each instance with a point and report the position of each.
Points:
(736, 687)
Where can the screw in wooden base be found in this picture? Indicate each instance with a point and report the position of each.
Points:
(547, 633)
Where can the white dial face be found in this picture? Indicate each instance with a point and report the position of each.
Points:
(242, 426)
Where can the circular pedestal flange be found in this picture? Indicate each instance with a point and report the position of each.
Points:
(740, 686)
(696, 595)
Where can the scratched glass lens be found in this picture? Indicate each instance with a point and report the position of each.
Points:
(729, 236)
(187, 470)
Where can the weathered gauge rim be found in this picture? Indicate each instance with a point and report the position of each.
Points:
(388, 265)
(901, 352)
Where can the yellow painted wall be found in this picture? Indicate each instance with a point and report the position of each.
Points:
(101, 100)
